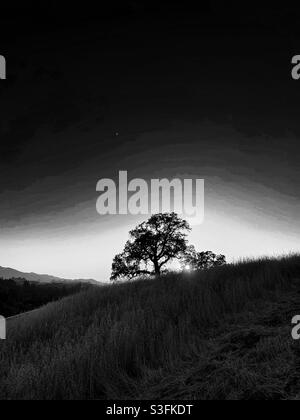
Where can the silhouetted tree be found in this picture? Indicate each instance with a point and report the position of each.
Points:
(152, 245)
(194, 260)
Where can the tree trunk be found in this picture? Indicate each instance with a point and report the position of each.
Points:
(156, 268)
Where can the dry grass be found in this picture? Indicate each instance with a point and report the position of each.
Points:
(224, 333)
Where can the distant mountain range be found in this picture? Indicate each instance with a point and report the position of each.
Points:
(10, 273)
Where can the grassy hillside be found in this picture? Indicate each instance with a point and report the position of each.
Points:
(225, 333)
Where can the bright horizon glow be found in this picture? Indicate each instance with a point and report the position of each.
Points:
(90, 254)
(248, 214)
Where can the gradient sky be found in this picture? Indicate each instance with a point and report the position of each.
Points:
(160, 92)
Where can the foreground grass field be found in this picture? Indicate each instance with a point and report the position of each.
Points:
(220, 334)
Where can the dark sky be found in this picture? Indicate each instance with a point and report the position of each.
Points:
(191, 92)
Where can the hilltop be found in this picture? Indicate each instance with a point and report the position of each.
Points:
(223, 333)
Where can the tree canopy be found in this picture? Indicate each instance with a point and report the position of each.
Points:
(152, 245)
(194, 260)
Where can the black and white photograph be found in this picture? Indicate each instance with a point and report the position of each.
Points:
(149, 203)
